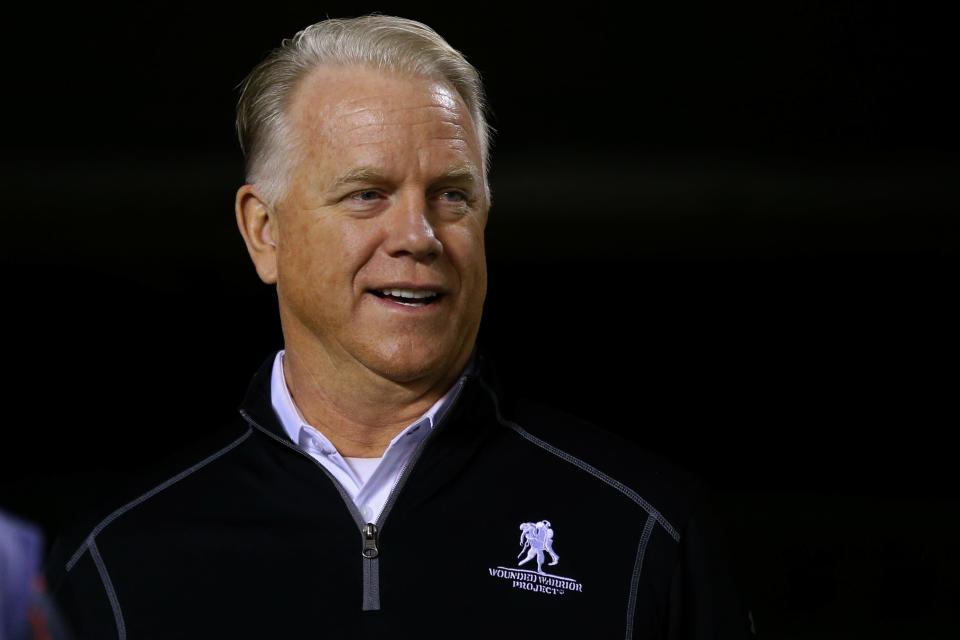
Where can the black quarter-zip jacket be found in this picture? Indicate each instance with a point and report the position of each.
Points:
(247, 536)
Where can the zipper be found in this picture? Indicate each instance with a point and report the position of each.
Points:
(371, 569)
(369, 531)
(370, 550)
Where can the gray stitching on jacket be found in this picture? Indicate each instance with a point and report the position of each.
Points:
(563, 455)
(111, 594)
(635, 580)
(149, 494)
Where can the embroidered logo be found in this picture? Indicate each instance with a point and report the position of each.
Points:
(535, 539)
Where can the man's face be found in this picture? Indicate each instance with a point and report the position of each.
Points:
(388, 195)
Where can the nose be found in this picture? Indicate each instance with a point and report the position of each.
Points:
(410, 232)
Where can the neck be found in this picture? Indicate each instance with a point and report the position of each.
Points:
(359, 411)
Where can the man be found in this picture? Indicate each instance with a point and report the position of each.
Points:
(380, 428)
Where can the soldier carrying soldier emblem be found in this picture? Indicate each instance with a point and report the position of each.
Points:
(535, 538)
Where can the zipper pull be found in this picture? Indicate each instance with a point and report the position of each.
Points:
(370, 550)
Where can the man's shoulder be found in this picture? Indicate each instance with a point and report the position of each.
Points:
(626, 465)
(134, 493)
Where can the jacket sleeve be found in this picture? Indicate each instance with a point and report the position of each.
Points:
(705, 598)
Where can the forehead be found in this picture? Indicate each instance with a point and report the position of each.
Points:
(351, 107)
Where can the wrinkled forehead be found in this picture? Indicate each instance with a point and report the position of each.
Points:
(337, 105)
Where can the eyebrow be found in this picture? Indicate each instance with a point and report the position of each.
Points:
(464, 173)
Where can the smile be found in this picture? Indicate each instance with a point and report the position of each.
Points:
(408, 297)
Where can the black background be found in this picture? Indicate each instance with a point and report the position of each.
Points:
(728, 232)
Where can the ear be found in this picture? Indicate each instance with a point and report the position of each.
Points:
(259, 227)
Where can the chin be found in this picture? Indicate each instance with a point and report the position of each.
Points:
(403, 361)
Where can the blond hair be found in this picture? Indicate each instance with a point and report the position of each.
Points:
(386, 43)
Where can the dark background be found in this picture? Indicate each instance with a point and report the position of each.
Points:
(728, 232)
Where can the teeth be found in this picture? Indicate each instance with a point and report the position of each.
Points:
(408, 293)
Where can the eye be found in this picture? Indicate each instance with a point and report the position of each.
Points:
(457, 196)
(362, 195)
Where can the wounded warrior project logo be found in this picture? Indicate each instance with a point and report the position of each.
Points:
(536, 538)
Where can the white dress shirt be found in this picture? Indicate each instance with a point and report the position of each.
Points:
(367, 481)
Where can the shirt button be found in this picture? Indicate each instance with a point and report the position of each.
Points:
(367, 513)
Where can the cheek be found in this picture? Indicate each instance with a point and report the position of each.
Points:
(465, 250)
(325, 256)
(303, 267)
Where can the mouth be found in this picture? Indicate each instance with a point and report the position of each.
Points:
(408, 297)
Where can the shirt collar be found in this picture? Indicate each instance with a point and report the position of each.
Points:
(299, 431)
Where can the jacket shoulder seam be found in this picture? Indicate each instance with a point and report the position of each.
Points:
(89, 540)
(635, 578)
(584, 466)
(108, 587)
